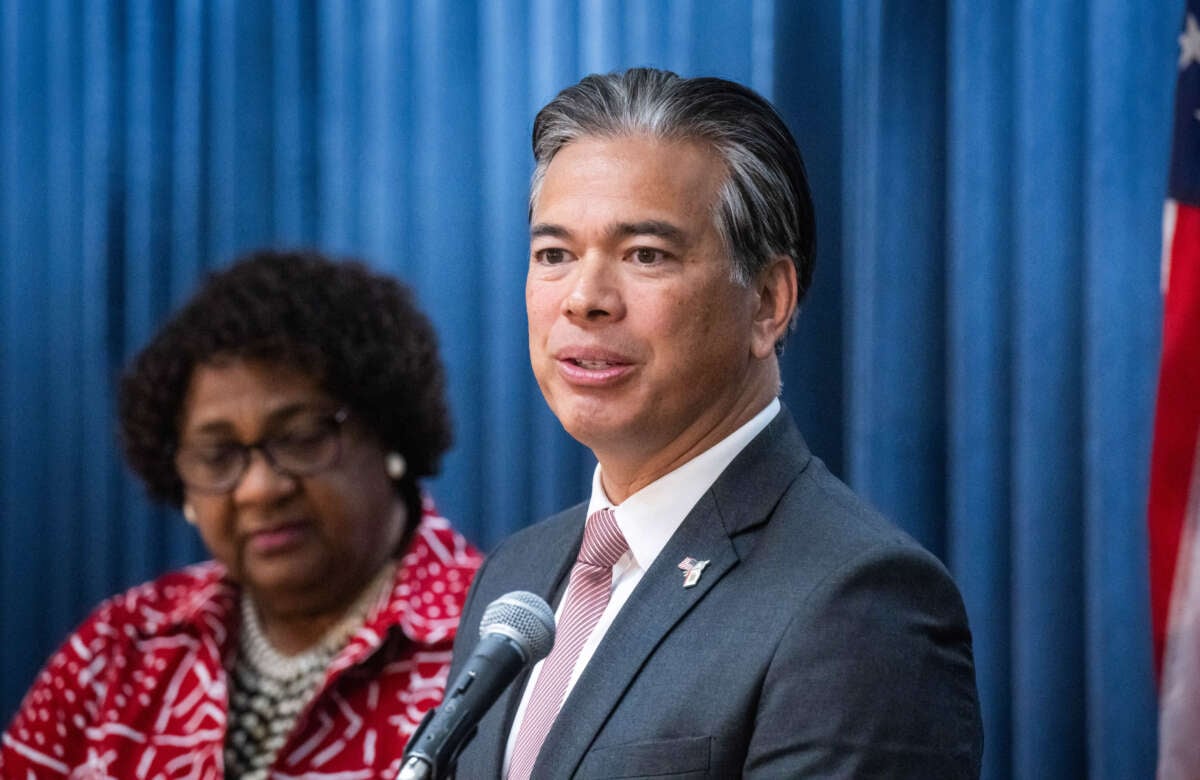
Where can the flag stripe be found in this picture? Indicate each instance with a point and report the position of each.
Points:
(1177, 419)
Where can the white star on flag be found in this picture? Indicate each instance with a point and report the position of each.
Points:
(1189, 43)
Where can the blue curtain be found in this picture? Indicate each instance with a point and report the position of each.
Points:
(977, 356)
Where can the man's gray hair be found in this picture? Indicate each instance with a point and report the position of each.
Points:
(764, 209)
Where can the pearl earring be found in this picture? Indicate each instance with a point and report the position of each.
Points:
(395, 465)
(189, 513)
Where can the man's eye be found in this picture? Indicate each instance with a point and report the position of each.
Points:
(551, 256)
(647, 256)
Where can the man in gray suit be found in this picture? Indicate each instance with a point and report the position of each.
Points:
(732, 609)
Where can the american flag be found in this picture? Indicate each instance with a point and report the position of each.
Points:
(1175, 465)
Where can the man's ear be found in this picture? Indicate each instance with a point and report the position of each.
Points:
(777, 298)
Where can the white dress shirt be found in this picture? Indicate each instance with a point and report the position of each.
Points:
(647, 519)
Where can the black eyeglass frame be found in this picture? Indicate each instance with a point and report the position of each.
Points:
(336, 420)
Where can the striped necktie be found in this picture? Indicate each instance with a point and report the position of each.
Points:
(587, 596)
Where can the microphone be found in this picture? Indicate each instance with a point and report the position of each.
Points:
(517, 630)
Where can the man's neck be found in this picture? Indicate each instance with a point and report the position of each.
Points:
(623, 474)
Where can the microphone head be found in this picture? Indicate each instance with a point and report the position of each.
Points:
(523, 617)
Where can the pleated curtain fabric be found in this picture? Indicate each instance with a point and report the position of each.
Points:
(977, 355)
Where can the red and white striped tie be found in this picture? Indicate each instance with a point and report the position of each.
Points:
(587, 595)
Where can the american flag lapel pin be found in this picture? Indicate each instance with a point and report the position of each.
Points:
(694, 569)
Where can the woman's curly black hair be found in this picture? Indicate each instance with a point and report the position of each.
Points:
(357, 332)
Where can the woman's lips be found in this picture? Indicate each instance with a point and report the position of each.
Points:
(277, 539)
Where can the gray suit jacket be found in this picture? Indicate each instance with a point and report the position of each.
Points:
(820, 642)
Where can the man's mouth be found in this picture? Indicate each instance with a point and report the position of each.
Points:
(594, 365)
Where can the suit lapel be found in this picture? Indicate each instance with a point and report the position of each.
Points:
(654, 607)
(660, 601)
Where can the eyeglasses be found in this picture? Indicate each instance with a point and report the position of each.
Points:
(307, 444)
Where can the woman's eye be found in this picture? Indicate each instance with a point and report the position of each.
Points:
(301, 437)
(215, 456)
(294, 439)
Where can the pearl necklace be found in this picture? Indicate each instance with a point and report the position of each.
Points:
(270, 689)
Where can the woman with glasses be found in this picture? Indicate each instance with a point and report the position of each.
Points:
(289, 409)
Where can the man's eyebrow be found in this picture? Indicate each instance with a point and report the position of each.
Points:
(547, 230)
(619, 230)
(649, 227)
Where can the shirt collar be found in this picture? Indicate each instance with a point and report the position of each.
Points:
(649, 517)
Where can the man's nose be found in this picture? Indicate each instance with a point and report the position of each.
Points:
(595, 290)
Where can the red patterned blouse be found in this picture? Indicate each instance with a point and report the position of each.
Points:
(140, 689)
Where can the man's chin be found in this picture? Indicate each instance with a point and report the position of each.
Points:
(606, 435)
